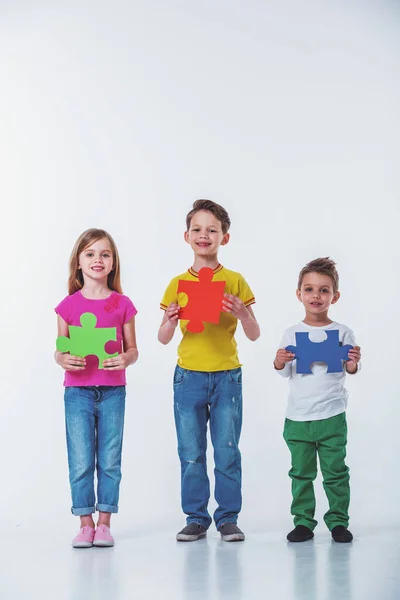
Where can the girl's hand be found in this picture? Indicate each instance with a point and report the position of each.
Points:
(354, 359)
(70, 362)
(235, 306)
(282, 357)
(172, 314)
(118, 363)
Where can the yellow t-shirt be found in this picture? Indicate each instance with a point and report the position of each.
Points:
(215, 348)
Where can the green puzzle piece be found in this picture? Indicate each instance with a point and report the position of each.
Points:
(88, 339)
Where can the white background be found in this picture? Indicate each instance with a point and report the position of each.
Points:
(119, 115)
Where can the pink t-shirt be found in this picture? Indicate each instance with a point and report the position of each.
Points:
(114, 311)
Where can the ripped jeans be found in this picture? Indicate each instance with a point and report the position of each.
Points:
(198, 397)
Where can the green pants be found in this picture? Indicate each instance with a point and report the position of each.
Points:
(327, 438)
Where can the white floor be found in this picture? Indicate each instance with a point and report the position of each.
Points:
(154, 566)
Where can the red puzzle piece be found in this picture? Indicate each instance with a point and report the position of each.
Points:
(205, 300)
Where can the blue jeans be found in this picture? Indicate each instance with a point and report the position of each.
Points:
(94, 418)
(217, 396)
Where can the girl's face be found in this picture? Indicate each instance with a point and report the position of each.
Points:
(96, 261)
(316, 293)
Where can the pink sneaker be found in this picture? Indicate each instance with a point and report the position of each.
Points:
(84, 539)
(103, 536)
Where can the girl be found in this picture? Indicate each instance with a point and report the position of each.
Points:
(95, 393)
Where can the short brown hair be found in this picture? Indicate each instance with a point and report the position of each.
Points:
(218, 211)
(325, 266)
(88, 237)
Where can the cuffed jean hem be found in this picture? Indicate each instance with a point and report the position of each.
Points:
(224, 521)
(107, 508)
(80, 512)
(204, 522)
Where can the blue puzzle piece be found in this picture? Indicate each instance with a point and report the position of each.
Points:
(329, 351)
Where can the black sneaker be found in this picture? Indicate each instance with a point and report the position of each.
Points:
(191, 533)
(300, 533)
(230, 532)
(341, 534)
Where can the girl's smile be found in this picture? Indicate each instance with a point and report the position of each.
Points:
(96, 260)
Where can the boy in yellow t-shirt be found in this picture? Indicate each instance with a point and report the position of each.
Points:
(208, 381)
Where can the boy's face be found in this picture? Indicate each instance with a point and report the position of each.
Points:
(316, 293)
(205, 234)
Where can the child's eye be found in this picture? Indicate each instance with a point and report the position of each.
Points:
(325, 291)
(106, 255)
(89, 254)
(308, 289)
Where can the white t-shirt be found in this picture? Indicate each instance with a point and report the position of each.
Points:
(319, 395)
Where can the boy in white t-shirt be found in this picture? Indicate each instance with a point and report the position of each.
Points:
(315, 418)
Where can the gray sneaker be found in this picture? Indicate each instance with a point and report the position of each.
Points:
(191, 533)
(231, 533)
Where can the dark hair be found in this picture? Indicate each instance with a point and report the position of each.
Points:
(325, 266)
(218, 211)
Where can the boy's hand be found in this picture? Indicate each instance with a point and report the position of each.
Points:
(235, 306)
(172, 314)
(282, 357)
(354, 359)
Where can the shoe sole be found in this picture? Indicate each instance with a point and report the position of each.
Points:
(233, 537)
(82, 545)
(299, 541)
(103, 544)
(182, 537)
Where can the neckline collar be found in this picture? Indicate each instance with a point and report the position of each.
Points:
(218, 268)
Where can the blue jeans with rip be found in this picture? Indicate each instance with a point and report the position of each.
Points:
(198, 397)
(94, 419)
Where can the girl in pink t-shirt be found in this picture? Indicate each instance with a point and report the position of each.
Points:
(95, 393)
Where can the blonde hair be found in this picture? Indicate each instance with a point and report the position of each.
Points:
(75, 280)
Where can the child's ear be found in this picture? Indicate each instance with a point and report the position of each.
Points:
(298, 294)
(186, 236)
(335, 298)
(225, 239)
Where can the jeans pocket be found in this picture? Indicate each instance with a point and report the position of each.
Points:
(179, 375)
(71, 392)
(235, 375)
(118, 389)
